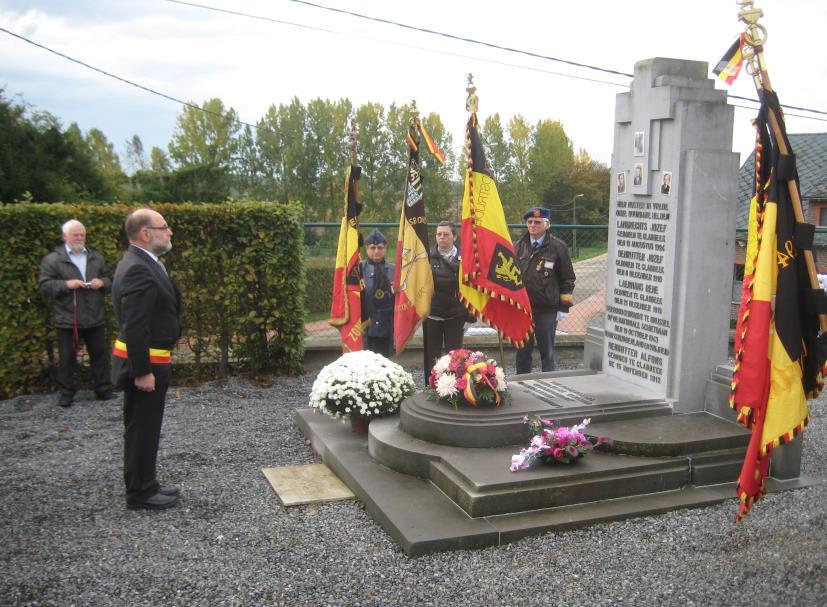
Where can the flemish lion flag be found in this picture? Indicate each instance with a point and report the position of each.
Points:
(413, 283)
(346, 310)
(778, 364)
(730, 64)
(490, 282)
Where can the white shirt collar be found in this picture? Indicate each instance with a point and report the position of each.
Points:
(69, 250)
(150, 253)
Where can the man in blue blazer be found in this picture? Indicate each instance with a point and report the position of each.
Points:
(147, 306)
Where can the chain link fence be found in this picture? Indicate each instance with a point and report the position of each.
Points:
(587, 245)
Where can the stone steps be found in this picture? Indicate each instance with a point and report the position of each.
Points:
(423, 519)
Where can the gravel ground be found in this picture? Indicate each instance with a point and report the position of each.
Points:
(66, 538)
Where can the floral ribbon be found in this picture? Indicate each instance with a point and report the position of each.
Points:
(469, 392)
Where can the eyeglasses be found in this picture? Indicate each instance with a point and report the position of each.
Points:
(533, 221)
(157, 227)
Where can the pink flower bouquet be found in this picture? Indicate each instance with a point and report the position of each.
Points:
(470, 376)
(554, 445)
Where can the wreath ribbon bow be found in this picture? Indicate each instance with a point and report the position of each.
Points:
(470, 393)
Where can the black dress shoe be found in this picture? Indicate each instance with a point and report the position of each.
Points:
(153, 502)
(106, 395)
(65, 402)
(171, 490)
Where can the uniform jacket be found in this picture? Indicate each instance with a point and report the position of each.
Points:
(55, 269)
(445, 303)
(378, 309)
(148, 307)
(547, 272)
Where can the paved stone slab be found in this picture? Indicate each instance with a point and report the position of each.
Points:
(306, 484)
(672, 435)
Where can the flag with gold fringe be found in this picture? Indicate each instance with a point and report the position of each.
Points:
(413, 283)
(778, 361)
(728, 68)
(346, 309)
(490, 282)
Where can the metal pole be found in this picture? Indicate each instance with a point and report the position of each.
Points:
(574, 252)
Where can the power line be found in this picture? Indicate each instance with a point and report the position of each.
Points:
(462, 39)
(130, 82)
(392, 42)
(459, 38)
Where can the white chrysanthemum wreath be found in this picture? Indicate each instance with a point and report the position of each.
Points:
(361, 384)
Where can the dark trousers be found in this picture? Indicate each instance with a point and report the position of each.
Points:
(439, 337)
(143, 413)
(545, 326)
(380, 345)
(95, 340)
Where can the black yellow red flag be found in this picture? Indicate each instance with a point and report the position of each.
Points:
(346, 309)
(778, 365)
(728, 68)
(490, 282)
(413, 283)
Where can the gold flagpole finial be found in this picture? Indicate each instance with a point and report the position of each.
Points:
(755, 35)
(472, 101)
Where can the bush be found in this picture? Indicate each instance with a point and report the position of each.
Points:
(239, 267)
(320, 284)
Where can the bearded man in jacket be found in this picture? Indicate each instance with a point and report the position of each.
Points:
(77, 278)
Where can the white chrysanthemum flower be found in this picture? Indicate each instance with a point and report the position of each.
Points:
(499, 374)
(446, 385)
(441, 365)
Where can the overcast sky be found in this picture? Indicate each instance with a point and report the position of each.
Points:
(194, 54)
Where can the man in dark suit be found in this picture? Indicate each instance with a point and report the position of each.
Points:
(147, 306)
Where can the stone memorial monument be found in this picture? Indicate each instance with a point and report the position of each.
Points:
(671, 232)
(437, 477)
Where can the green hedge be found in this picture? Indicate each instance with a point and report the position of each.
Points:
(239, 267)
(320, 284)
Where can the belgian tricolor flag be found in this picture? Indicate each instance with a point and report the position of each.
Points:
(728, 68)
(778, 364)
(346, 309)
(490, 282)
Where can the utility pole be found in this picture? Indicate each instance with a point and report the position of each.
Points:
(574, 251)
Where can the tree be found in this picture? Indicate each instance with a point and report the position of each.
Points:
(327, 150)
(247, 166)
(107, 162)
(375, 156)
(159, 161)
(550, 153)
(135, 158)
(516, 194)
(440, 194)
(496, 147)
(204, 144)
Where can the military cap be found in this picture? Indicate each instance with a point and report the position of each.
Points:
(376, 237)
(537, 212)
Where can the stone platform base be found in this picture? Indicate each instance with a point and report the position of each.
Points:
(416, 510)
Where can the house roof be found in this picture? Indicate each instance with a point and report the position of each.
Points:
(810, 150)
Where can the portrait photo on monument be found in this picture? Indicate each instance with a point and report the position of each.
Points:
(639, 143)
(638, 174)
(621, 183)
(666, 183)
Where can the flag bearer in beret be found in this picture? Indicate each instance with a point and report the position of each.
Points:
(377, 298)
(549, 279)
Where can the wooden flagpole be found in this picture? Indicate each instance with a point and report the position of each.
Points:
(753, 52)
